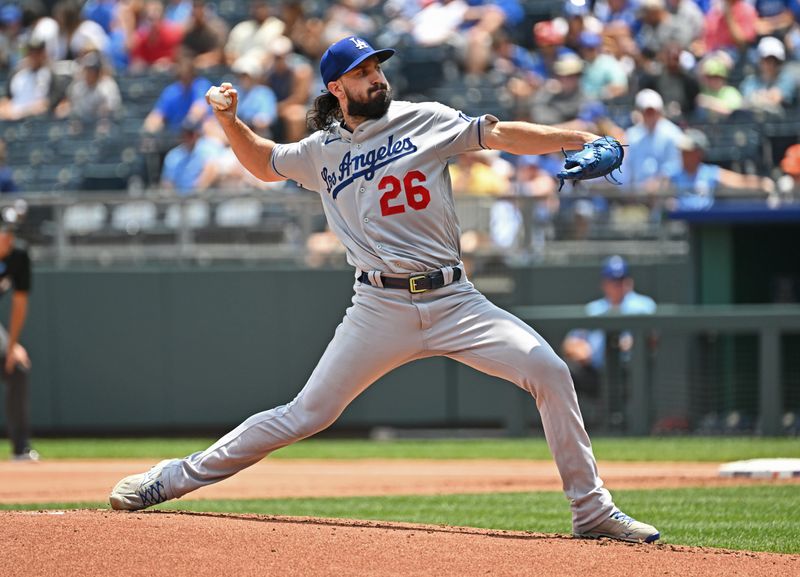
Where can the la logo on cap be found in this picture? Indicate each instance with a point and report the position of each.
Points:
(360, 44)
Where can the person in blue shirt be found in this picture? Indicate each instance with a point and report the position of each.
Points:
(652, 153)
(696, 182)
(191, 165)
(7, 182)
(186, 97)
(258, 105)
(585, 350)
(773, 87)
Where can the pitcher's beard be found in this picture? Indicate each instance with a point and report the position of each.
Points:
(377, 104)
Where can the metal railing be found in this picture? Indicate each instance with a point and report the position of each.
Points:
(278, 224)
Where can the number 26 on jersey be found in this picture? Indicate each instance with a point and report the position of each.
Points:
(416, 196)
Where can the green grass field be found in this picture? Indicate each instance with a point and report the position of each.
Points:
(708, 449)
(758, 518)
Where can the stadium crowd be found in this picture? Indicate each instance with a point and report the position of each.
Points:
(101, 94)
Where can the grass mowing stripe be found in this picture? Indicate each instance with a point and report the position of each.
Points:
(756, 518)
(614, 449)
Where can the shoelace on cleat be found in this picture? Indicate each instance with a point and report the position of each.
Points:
(620, 516)
(152, 494)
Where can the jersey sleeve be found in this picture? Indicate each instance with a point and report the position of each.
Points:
(458, 132)
(295, 161)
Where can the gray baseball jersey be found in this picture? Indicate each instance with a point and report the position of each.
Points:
(385, 187)
(387, 196)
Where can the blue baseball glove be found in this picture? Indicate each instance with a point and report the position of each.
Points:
(600, 157)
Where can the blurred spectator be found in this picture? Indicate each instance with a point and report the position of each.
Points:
(191, 165)
(696, 182)
(204, 38)
(773, 88)
(576, 19)
(122, 35)
(347, 18)
(689, 17)
(511, 59)
(40, 27)
(186, 97)
(10, 40)
(652, 153)
(257, 106)
(104, 12)
(93, 95)
(775, 17)
(560, 99)
(607, 11)
(306, 31)
(480, 173)
(438, 22)
(789, 183)
(619, 42)
(717, 98)
(527, 71)
(603, 77)
(549, 44)
(677, 87)
(538, 199)
(659, 28)
(157, 40)
(254, 36)
(77, 36)
(730, 26)
(7, 183)
(593, 117)
(31, 86)
(290, 77)
(585, 350)
(483, 20)
(178, 12)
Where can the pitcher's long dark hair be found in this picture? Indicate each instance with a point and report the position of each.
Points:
(326, 111)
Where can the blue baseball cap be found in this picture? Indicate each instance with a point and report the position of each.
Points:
(344, 55)
(615, 268)
(589, 39)
(10, 13)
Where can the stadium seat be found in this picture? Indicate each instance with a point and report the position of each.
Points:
(135, 216)
(85, 218)
(196, 212)
(238, 212)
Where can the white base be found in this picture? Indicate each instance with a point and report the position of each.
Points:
(762, 469)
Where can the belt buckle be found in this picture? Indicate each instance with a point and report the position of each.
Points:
(412, 284)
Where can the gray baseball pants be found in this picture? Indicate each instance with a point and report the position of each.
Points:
(385, 328)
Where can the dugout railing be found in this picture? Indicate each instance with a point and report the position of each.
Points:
(684, 324)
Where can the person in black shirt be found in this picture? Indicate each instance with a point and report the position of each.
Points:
(15, 277)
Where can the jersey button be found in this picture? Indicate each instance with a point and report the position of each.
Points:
(366, 219)
(379, 246)
(358, 146)
(362, 189)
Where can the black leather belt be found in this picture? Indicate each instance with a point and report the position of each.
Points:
(418, 283)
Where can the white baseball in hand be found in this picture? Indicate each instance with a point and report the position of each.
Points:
(219, 100)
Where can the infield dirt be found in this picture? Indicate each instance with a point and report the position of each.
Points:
(111, 544)
(104, 543)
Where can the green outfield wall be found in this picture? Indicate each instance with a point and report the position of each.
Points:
(159, 350)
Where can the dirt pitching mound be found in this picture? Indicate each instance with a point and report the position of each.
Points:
(106, 543)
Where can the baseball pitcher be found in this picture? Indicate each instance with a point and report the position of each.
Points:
(380, 168)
